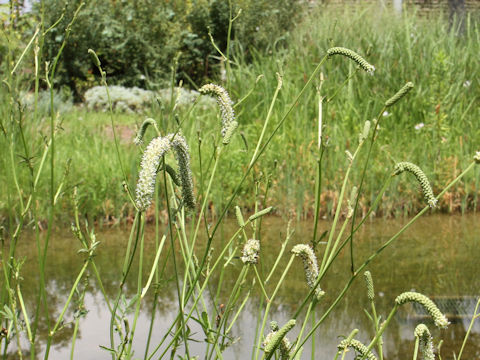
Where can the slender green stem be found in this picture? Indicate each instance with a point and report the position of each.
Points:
(139, 289)
(269, 304)
(381, 330)
(25, 314)
(305, 320)
(338, 210)
(475, 316)
(269, 114)
(69, 299)
(415, 351)
(376, 321)
(354, 216)
(231, 301)
(260, 283)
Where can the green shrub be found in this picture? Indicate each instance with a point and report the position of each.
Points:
(136, 41)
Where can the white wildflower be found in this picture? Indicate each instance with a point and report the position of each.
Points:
(419, 126)
(250, 252)
(310, 265)
(148, 171)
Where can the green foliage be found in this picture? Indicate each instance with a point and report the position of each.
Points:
(136, 41)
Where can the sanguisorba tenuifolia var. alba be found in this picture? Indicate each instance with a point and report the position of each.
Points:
(152, 155)
(364, 64)
(421, 178)
(305, 252)
(360, 348)
(440, 320)
(425, 341)
(229, 124)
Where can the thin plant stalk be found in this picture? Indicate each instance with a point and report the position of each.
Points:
(269, 304)
(475, 316)
(139, 289)
(69, 299)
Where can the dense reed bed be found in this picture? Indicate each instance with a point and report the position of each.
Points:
(323, 119)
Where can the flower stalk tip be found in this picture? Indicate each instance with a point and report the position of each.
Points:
(310, 265)
(440, 320)
(400, 94)
(354, 56)
(226, 109)
(358, 347)
(421, 178)
(426, 342)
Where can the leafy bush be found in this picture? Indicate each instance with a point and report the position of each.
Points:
(136, 41)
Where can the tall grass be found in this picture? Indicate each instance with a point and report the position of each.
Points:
(276, 146)
(435, 128)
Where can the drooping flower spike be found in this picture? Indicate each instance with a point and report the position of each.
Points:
(182, 156)
(310, 265)
(400, 94)
(157, 148)
(141, 132)
(359, 347)
(369, 68)
(276, 339)
(421, 178)
(152, 155)
(226, 109)
(425, 341)
(440, 320)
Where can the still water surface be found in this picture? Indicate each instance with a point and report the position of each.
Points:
(438, 256)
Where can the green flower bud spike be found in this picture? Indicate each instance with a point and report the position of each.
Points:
(226, 109)
(260, 213)
(369, 281)
(366, 129)
(358, 347)
(426, 342)
(238, 214)
(400, 94)
(310, 265)
(422, 179)
(352, 55)
(141, 132)
(440, 320)
(276, 339)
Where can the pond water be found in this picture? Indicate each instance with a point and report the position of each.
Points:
(438, 256)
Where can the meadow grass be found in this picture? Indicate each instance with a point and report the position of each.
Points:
(274, 150)
(435, 127)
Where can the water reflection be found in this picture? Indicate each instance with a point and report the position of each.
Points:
(438, 257)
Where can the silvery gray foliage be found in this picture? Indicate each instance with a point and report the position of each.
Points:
(137, 100)
(123, 99)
